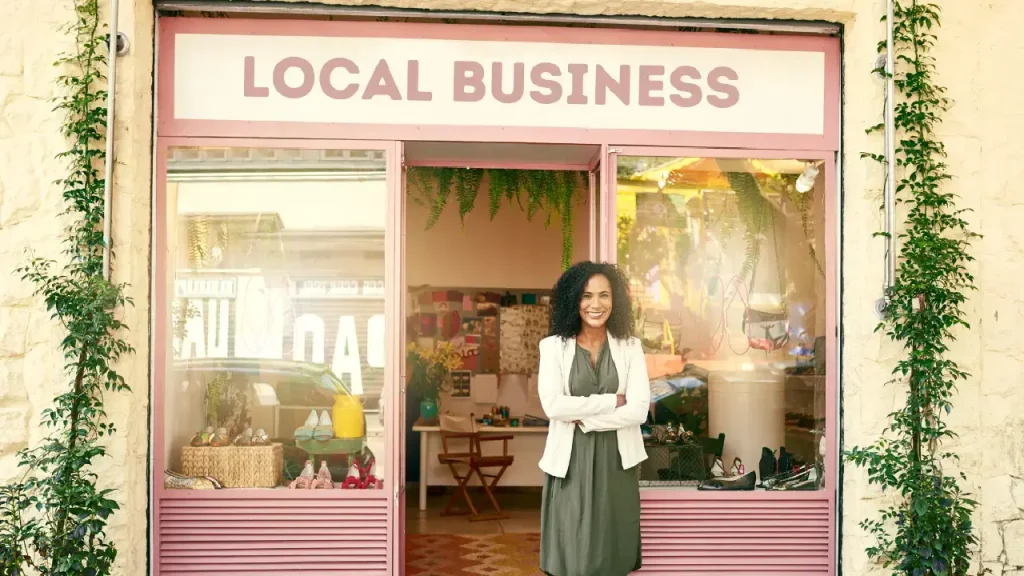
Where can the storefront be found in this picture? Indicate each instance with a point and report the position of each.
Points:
(282, 242)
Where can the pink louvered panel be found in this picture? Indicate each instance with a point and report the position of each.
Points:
(272, 537)
(723, 535)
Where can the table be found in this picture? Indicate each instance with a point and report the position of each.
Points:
(527, 447)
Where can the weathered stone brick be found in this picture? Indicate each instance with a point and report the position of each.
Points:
(13, 427)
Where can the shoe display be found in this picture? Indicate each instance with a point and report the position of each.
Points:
(368, 473)
(305, 479)
(260, 438)
(203, 438)
(324, 429)
(323, 478)
(671, 435)
(767, 466)
(352, 479)
(243, 439)
(806, 480)
(738, 469)
(785, 461)
(374, 482)
(220, 438)
(305, 432)
(717, 469)
(744, 482)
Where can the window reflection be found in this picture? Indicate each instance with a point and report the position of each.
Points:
(276, 324)
(726, 258)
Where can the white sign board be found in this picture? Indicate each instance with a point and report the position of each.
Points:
(487, 83)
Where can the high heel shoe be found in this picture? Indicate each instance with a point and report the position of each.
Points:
(305, 479)
(768, 465)
(744, 482)
(368, 473)
(323, 478)
(738, 469)
(305, 432)
(717, 469)
(324, 429)
(352, 480)
(781, 481)
(807, 480)
(785, 460)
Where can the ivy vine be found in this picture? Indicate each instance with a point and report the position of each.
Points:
(54, 520)
(928, 530)
(534, 191)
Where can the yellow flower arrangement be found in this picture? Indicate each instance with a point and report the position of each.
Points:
(430, 370)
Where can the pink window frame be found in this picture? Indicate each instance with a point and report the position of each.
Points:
(174, 132)
(608, 253)
(394, 280)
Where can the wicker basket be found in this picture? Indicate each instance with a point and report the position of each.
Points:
(235, 466)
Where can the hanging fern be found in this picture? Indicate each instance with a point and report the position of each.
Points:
(514, 182)
(536, 192)
(423, 191)
(440, 198)
(545, 190)
(495, 190)
(752, 208)
(467, 186)
(567, 188)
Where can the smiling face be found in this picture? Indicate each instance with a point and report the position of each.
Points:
(596, 303)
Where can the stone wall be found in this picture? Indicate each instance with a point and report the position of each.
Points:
(31, 371)
(976, 52)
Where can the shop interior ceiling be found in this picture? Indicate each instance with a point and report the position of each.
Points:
(307, 10)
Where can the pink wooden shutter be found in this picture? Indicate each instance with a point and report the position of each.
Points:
(267, 536)
(736, 533)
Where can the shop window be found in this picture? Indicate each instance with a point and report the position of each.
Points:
(727, 262)
(275, 323)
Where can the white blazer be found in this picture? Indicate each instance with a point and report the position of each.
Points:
(597, 412)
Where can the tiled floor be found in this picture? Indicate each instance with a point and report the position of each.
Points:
(522, 506)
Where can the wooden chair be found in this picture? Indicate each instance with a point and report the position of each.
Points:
(464, 465)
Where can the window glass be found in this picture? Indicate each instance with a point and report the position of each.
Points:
(275, 326)
(727, 263)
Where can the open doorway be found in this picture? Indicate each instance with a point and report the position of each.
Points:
(488, 230)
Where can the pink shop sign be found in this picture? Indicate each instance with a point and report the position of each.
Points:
(473, 82)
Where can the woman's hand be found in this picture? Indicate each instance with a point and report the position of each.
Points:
(620, 400)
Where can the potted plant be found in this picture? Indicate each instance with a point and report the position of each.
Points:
(430, 372)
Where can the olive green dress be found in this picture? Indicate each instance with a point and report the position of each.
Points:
(590, 520)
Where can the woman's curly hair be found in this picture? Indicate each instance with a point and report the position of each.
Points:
(568, 293)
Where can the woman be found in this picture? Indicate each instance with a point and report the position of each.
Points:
(594, 388)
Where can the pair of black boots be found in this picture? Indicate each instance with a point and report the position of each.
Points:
(770, 466)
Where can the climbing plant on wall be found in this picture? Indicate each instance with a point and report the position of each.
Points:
(534, 191)
(54, 520)
(927, 530)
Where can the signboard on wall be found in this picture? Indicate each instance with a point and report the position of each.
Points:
(637, 83)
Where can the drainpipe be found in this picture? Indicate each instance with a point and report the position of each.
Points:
(108, 174)
(890, 151)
